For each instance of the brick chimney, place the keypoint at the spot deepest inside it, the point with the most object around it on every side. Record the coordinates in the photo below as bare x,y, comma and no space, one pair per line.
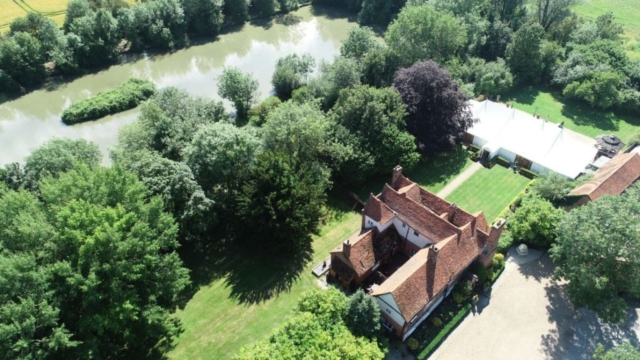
346,247
432,259
397,172
491,246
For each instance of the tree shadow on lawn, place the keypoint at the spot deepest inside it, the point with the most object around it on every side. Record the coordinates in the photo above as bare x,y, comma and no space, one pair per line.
579,112
427,173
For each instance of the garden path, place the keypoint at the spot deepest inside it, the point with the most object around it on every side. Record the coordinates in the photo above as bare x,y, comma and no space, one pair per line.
459,180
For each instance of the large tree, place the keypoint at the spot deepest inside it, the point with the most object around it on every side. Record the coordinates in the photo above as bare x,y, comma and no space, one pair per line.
239,88
523,54
173,181
291,73
362,315
375,119
423,33
60,155
168,122
438,112
550,12
316,331
624,351
281,203
102,265
22,60
598,251
221,155
359,42
534,222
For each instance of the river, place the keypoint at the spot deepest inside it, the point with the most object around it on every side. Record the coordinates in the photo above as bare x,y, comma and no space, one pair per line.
29,121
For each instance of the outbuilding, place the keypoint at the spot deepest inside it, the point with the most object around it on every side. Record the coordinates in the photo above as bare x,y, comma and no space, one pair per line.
529,141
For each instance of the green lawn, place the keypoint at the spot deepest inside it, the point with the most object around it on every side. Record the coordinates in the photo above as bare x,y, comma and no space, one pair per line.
489,190
577,116
627,13
249,300
432,174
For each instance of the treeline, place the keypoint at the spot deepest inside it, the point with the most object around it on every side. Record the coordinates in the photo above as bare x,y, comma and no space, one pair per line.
96,32
491,46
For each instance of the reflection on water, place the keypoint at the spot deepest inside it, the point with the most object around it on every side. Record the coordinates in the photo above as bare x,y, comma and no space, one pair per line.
29,121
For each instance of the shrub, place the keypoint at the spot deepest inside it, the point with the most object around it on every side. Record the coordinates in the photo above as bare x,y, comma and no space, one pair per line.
494,262
124,97
483,273
473,148
259,112
463,288
458,298
528,173
475,298
412,344
505,242
500,258
433,344
502,161
436,321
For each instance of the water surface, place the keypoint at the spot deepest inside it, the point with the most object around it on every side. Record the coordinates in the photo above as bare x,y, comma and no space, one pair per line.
31,120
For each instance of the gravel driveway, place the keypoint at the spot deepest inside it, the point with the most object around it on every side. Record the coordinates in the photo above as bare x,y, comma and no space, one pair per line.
528,316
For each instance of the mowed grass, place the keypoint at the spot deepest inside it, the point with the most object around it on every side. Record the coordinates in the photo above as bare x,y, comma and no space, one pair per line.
626,12
9,11
53,9
431,173
489,191
225,314
577,116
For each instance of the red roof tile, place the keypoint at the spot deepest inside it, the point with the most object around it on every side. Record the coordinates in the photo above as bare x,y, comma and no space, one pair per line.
613,178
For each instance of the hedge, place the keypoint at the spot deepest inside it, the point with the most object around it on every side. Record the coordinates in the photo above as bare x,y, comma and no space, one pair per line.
124,97
473,148
446,330
528,173
504,162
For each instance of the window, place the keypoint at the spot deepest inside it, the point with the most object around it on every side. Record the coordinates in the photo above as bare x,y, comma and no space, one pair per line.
415,232
386,324
412,252
404,225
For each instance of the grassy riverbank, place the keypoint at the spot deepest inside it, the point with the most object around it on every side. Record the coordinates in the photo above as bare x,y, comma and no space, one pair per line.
124,97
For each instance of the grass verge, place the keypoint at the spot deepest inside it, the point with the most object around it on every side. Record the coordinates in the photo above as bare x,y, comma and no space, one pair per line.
489,191
577,116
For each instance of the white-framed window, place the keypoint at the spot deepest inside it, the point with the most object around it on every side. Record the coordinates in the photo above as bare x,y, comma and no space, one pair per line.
386,324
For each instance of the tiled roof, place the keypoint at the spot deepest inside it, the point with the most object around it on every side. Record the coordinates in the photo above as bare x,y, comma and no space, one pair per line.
417,216
412,192
338,264
481,222
377,210
367,248
613,178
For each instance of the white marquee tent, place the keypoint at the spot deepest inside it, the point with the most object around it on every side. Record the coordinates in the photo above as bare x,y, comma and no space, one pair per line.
524,139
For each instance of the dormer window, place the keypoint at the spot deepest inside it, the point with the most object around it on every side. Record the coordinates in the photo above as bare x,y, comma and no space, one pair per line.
415,232
404,225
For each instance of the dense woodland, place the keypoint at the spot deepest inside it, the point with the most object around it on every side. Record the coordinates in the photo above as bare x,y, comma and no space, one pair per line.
89,264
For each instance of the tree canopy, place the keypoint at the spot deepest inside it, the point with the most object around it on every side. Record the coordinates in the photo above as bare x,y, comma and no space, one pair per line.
534,222
438,113
599,253
239,88
95,259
